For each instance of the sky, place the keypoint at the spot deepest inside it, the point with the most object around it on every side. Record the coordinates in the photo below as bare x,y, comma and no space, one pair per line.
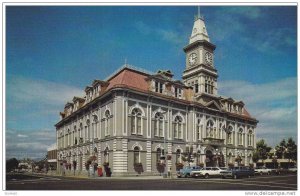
53,53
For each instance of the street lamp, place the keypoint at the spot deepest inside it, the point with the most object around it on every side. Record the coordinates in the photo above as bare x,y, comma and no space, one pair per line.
274,157
217,156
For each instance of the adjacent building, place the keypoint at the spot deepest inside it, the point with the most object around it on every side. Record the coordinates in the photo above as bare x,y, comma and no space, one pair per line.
136,120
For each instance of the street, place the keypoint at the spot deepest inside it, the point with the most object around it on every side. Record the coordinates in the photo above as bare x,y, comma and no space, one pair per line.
282,182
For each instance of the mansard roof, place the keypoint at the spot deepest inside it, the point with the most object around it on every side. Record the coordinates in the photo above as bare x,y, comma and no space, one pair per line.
78,99
213,105
101,82
88,88
68,104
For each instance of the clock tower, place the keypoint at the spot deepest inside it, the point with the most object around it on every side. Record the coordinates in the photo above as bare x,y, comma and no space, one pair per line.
200,72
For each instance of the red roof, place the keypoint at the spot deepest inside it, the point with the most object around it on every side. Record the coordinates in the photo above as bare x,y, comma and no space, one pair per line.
129,78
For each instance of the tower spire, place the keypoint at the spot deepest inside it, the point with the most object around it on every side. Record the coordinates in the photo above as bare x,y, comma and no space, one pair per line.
198,11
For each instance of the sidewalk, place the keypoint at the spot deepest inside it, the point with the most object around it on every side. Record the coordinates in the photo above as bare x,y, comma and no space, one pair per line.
85,176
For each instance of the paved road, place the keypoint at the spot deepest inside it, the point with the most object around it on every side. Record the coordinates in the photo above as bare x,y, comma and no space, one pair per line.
285,182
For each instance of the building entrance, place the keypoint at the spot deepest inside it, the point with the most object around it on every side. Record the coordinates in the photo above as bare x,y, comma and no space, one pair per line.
209,159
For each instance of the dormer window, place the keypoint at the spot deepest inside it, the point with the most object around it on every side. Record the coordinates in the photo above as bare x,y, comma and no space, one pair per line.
178,92
229,107
158,87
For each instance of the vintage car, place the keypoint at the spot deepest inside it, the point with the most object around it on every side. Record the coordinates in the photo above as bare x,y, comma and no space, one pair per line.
237,172
262,170
186,171
206,172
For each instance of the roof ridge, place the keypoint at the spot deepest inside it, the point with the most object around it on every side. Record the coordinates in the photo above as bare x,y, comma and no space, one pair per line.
129,67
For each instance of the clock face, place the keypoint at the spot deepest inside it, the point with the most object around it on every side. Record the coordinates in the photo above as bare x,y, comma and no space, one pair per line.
193,58
208,58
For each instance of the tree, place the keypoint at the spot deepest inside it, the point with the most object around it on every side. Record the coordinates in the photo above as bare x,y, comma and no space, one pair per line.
262,151
287,149
187,156
11,164
280,149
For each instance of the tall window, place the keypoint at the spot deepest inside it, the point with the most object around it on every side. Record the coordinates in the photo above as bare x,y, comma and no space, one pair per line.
178,92
106,155
158,155
107,122
69,137
178,127
95,127
158,125
178,156
199,129
158,87
196,87
220,134
209,85
210,129
229,135
240,137
250,138
136,121
136,155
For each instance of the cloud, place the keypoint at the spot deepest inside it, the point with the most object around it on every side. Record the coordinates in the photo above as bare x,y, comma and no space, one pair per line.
249,12
26,90
230,22
20,135
33,143
275,39
31,104
165,34
274,104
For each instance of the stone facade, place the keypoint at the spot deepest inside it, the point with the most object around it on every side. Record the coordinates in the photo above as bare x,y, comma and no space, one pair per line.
136,119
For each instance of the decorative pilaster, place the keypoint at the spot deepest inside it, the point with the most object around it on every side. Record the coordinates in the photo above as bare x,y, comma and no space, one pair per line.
120,157
148,156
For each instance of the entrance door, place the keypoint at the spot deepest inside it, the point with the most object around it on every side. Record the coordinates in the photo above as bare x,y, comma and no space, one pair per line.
209,159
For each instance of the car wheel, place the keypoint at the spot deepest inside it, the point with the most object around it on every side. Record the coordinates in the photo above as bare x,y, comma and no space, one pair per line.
235,176
206,176
249,176
269,173
261,173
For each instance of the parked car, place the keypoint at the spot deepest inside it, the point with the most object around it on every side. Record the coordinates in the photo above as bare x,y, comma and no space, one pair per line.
262,170
280,171
237,172
206,172
186,171
292,169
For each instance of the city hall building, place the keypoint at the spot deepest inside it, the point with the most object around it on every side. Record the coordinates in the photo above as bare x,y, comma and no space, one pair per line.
139,122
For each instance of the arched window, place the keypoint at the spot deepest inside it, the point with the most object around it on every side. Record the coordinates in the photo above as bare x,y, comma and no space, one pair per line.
95,126
107,122
250,138
178,127
136,121
158,125
87,129
106,155
220,131
240,137
69,137
229,135
75,137
136,155
158,155
210,129
199,129
178,156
